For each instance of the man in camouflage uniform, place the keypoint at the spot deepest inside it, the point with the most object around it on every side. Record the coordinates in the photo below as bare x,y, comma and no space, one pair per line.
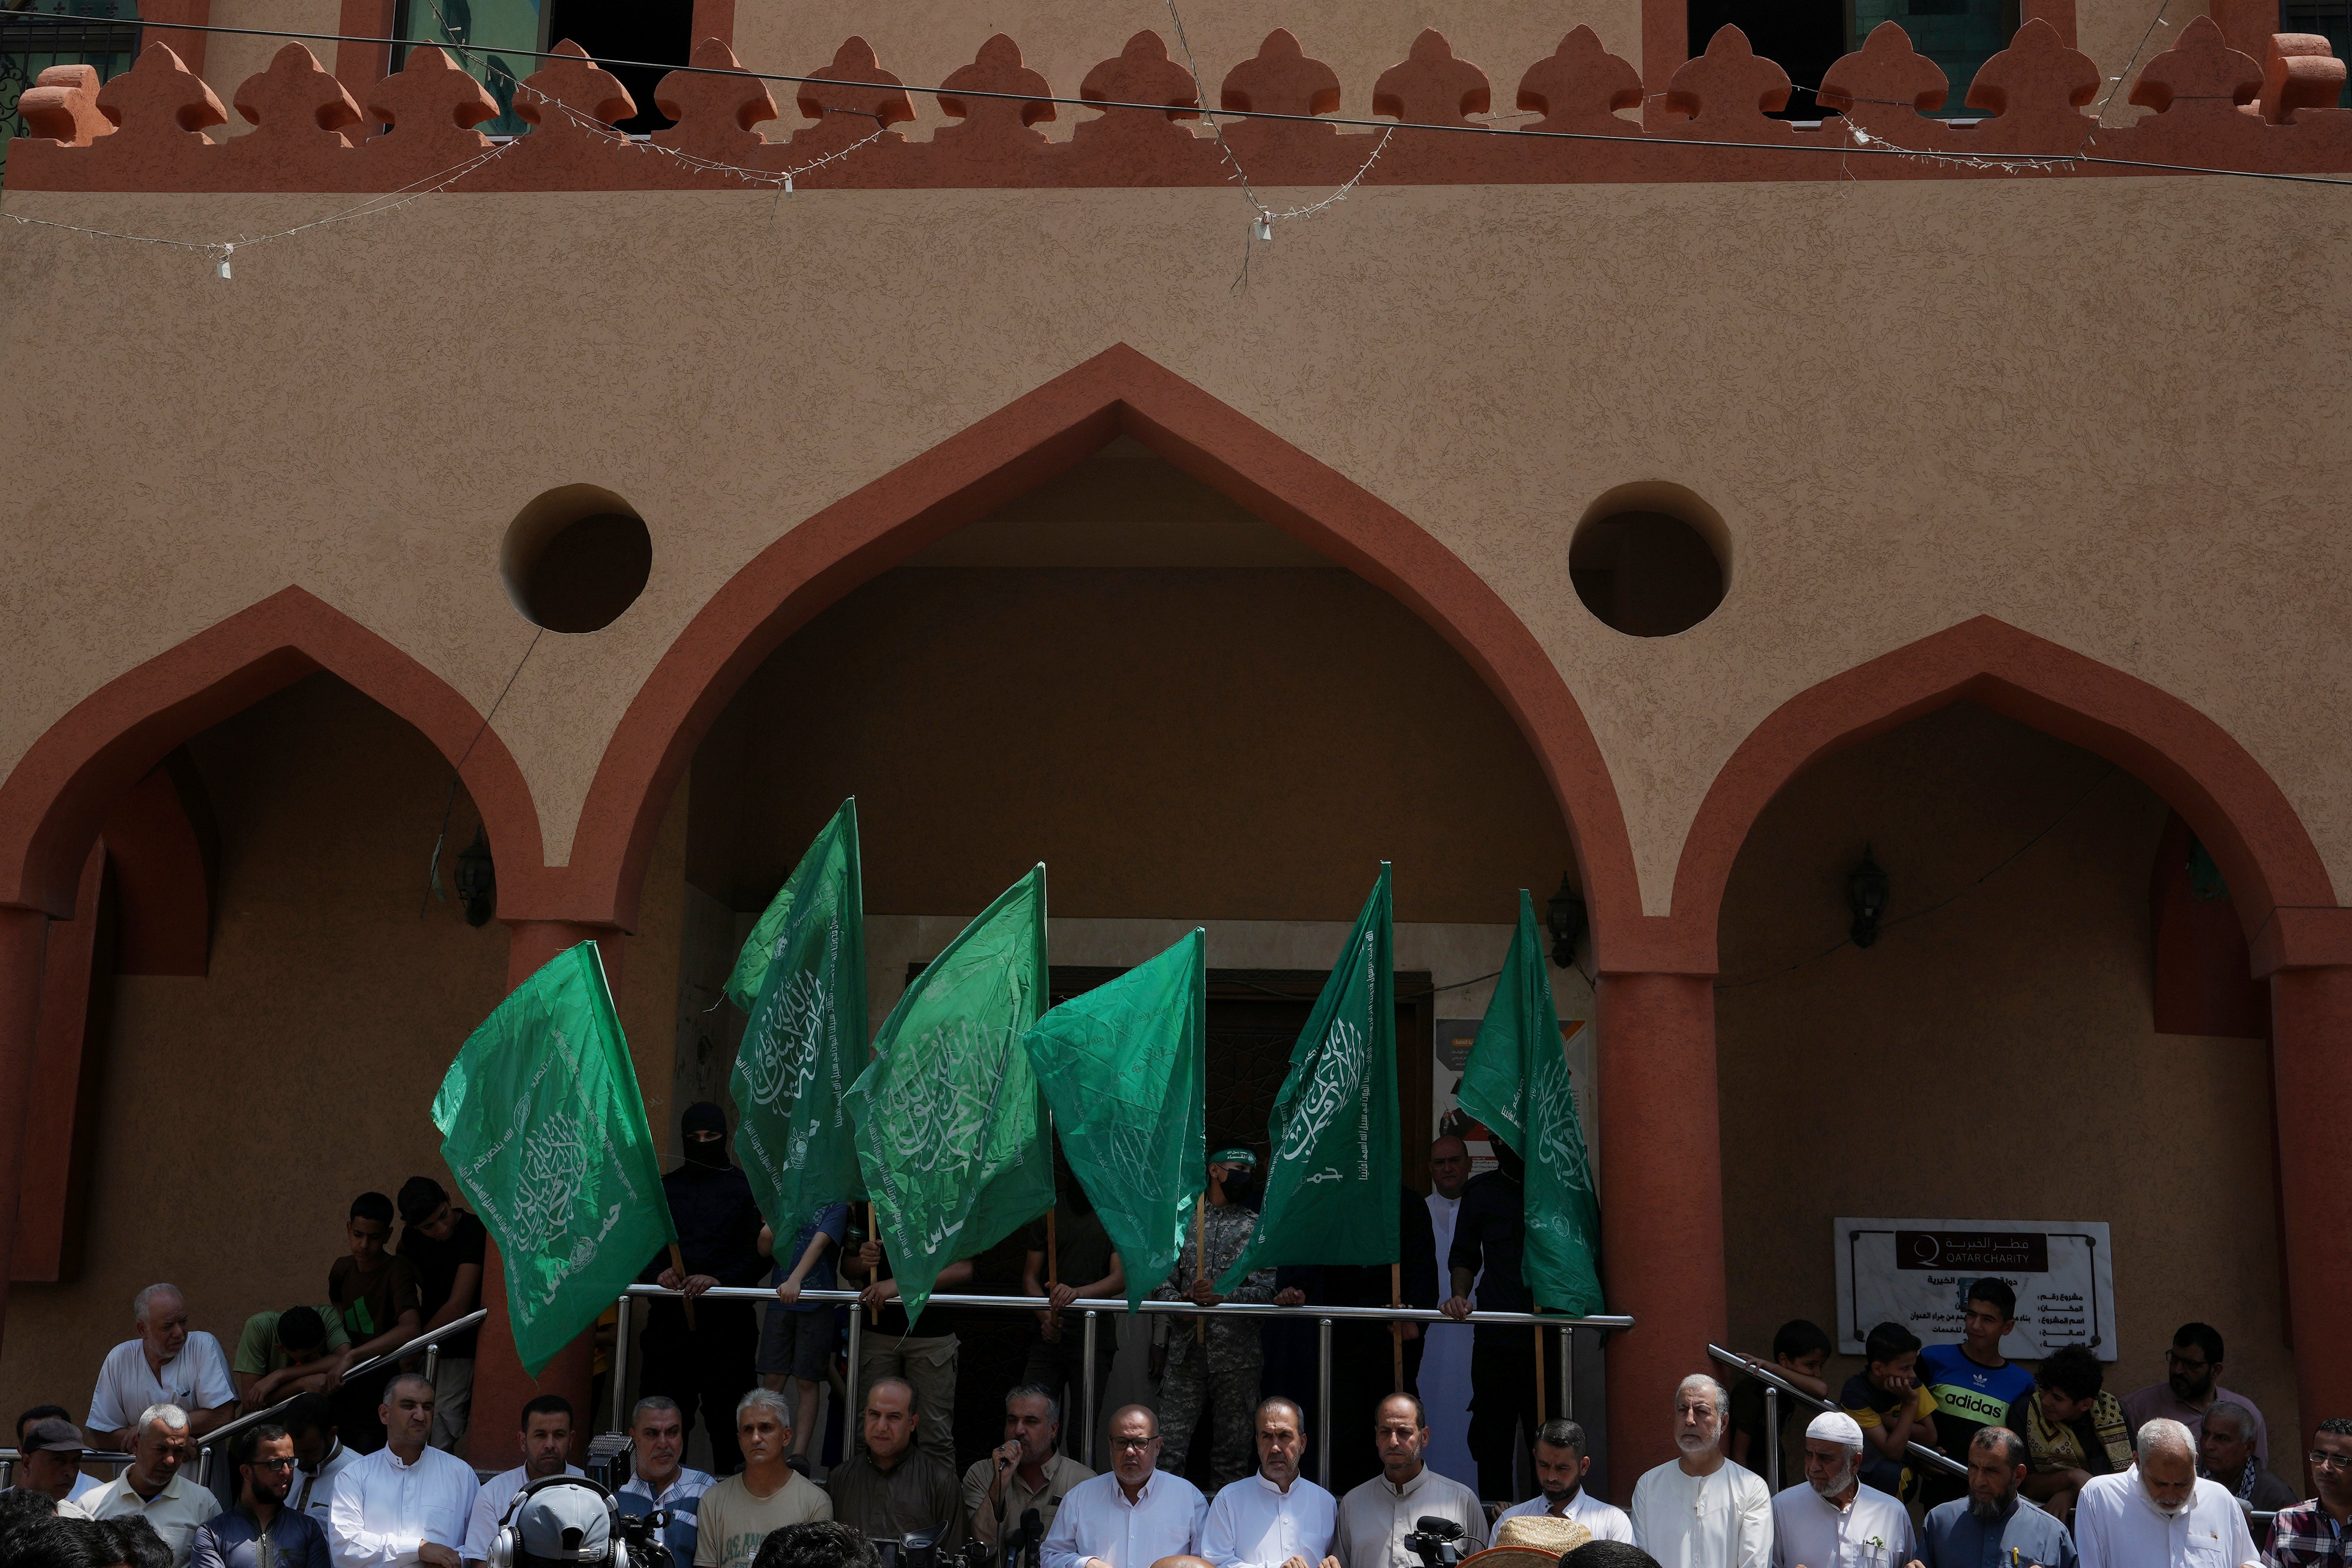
1224,1369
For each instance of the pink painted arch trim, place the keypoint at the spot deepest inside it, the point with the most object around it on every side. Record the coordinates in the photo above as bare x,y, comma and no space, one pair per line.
1008,452
2234,805
59,791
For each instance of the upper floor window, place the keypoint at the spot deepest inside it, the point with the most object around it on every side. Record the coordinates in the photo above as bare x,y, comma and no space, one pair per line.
1805,38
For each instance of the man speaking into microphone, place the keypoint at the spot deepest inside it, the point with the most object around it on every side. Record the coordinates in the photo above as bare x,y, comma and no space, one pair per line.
1027,1471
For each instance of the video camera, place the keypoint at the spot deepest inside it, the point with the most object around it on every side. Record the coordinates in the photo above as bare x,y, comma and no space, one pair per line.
1015,1548
1436,1541
916,1549
641,1533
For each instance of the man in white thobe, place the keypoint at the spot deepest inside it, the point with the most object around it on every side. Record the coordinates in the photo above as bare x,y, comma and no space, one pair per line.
1702,1510
1560,1466
1831,1519
1131,1516
407,1503
1376,1517
2158,1514
1446,1355
1273,1518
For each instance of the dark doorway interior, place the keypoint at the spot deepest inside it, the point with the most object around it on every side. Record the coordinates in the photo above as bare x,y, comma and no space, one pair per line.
1803,37
660,32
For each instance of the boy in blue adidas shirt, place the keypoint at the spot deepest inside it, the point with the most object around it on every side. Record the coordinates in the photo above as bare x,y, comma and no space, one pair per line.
1973,1383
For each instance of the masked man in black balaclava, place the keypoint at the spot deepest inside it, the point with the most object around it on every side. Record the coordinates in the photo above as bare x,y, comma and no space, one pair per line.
709,1365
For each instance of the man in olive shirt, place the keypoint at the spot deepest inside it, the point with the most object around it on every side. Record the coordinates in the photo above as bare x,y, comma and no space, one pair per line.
738,1514
1027,1471
895,1490
298,1351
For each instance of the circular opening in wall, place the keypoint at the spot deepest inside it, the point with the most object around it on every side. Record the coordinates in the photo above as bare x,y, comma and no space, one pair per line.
1650,560
575,558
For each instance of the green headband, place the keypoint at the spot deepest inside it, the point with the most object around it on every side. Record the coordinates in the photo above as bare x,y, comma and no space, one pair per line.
1234,1156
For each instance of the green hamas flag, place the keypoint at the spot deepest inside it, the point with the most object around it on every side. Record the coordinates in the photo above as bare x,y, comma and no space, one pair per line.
1332,1195
949,1115
805,965
542,1123
1124,1066
1516,1082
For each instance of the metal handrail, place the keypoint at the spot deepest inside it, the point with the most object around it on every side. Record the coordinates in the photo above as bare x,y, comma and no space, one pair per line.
10,1457
1775,1385
428,1342
1178,1308
1093,1307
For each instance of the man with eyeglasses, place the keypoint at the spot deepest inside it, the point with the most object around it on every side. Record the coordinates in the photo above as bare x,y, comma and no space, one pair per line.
2191,1386
1132,1517
260,1531
2318,1532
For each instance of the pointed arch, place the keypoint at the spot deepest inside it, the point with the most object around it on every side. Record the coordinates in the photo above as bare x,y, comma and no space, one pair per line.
2234,805
1009,452
53,801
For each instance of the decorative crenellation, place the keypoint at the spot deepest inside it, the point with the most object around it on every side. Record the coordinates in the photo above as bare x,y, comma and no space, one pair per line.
2213,107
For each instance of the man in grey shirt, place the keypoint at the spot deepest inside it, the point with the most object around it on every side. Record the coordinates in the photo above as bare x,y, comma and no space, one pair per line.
1376,1517
1994,1519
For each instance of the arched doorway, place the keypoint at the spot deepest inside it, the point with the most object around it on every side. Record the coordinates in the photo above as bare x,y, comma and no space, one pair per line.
2280,890
1191,718
1994,1054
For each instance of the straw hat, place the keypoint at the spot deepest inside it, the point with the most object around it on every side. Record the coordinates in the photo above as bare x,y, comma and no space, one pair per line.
1531,1541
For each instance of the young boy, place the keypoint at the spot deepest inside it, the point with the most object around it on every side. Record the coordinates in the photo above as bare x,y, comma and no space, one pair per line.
1800,1352
797,1339
1973,1383
1895,1411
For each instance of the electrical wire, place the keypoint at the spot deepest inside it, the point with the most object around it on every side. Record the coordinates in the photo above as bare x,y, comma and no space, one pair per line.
433,877
1212,115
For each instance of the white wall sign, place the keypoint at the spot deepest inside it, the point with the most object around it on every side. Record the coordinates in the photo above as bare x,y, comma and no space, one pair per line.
1916,1272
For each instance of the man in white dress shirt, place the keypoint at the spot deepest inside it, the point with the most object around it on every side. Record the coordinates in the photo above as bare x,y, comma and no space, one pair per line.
1273,1518
166,1365
1560,1466
1444,1381
1833,1520
407,1503
2158,1514
546,1443
1702,1510
1376,1517
1132,1517
152,1487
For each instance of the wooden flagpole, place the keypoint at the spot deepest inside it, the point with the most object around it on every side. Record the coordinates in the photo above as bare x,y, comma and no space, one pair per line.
1200,1257
1396,1339
677,1261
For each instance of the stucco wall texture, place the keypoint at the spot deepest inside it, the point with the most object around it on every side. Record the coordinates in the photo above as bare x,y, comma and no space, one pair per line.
2047,401
1198,744
239,1114
1997,1055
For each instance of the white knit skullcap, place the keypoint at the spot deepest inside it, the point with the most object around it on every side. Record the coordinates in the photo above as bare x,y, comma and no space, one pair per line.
1835,1427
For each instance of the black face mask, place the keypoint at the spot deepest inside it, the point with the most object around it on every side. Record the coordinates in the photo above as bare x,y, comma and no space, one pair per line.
1238,1182
709,1153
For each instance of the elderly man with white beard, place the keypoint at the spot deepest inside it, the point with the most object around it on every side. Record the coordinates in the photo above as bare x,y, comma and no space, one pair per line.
1833,1520
2158,1514
1703,1510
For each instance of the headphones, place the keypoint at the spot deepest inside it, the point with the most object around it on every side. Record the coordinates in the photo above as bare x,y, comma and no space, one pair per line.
507,1550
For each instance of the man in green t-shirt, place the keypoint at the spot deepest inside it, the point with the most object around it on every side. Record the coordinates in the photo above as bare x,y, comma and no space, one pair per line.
302,1350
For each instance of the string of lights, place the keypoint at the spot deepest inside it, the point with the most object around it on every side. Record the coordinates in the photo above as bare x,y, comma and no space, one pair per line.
1213,115
1857,143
